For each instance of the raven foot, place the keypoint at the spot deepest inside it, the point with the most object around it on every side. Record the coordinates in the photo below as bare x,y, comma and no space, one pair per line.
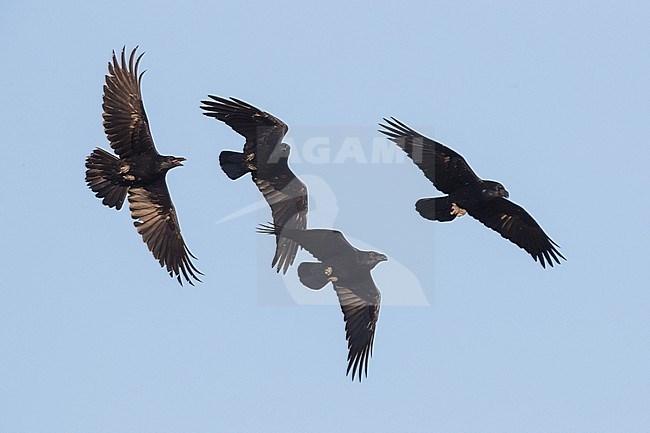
458,211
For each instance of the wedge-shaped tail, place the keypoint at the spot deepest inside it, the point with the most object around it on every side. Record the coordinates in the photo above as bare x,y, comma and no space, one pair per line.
313,275
102,178
232,163
436,209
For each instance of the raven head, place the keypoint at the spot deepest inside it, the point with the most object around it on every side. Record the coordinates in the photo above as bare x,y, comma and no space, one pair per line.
493,189
372,258
280,153
170,162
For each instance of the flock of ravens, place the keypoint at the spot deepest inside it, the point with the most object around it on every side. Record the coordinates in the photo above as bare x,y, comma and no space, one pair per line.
139,171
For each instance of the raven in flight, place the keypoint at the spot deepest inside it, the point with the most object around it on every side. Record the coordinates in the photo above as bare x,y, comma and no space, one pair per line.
349,271
139,171
265,157
484,200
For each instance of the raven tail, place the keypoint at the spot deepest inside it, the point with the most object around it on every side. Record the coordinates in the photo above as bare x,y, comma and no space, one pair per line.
101,177
436,209
313,275
232,163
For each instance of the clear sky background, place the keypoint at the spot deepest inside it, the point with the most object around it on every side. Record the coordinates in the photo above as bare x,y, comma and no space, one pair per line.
551,99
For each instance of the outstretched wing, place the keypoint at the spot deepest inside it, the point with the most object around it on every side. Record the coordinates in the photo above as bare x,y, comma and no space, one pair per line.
515,224
152,208
446,169
258,127
360,306
287,197
125,121
321,243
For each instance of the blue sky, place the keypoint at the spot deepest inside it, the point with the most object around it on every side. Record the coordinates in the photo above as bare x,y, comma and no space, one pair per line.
550,99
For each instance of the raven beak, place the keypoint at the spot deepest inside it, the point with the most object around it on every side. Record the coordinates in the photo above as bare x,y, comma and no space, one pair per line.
381,257
506,194
178,161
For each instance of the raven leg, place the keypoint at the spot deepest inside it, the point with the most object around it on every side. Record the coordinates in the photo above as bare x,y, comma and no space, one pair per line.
458,211
328,272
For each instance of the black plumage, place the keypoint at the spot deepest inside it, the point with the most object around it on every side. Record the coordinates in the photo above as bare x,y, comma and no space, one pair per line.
139,171
348,269
265,157
485,200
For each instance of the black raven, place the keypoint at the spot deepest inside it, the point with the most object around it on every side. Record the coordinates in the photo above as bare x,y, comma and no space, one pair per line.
484,200
349,271
140,170
265,157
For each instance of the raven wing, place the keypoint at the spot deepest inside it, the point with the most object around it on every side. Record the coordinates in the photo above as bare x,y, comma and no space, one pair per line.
258,127
151,206
360,305
125,121
446,169
321,243
515,224
287,197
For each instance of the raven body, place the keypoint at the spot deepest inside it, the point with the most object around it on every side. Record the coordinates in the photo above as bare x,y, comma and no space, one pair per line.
348,269
485,200
139,171
265,157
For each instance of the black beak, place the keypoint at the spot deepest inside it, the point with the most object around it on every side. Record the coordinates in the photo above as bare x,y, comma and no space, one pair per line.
506,194
178,161
381,257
